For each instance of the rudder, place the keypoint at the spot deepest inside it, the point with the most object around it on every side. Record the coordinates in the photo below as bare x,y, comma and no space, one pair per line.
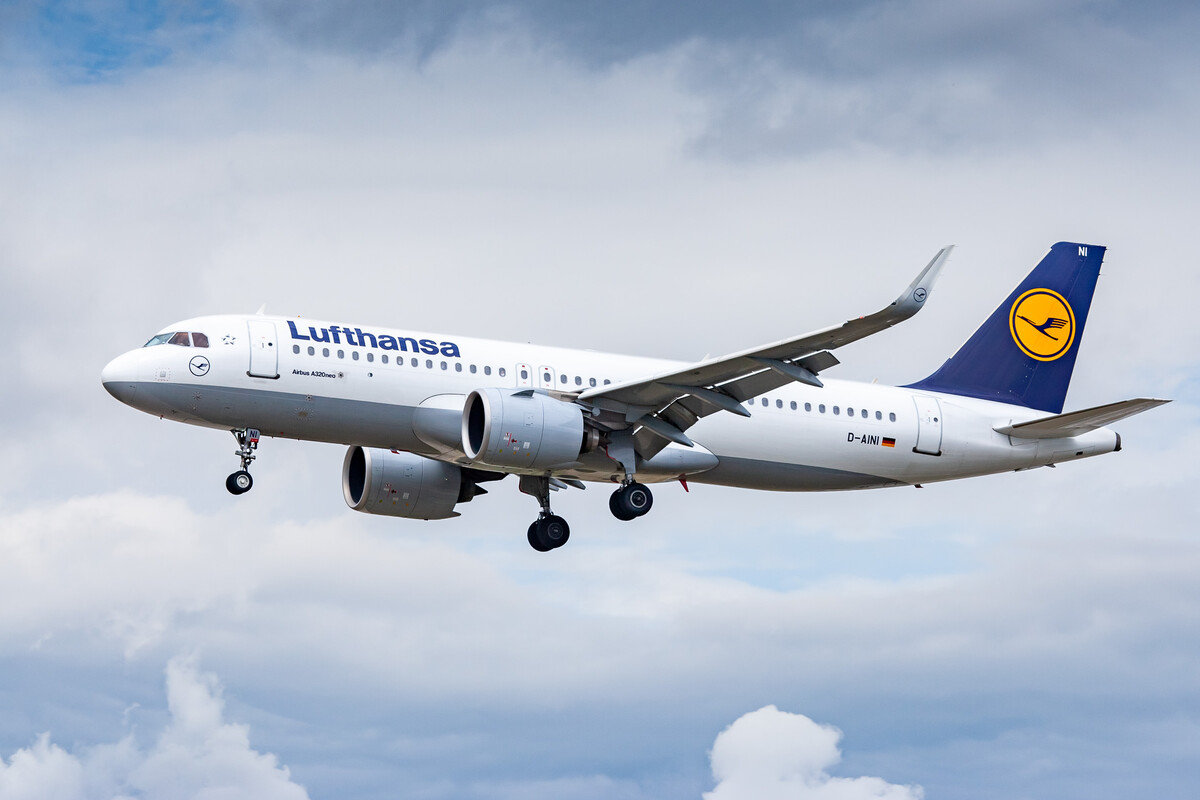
1025,352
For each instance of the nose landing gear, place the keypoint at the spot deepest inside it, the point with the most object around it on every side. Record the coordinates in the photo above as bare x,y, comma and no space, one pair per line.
240,481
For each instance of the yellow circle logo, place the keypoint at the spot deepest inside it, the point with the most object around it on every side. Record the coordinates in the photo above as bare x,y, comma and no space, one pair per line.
1042,324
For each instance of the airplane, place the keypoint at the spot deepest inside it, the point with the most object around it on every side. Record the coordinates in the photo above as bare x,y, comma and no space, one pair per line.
429,418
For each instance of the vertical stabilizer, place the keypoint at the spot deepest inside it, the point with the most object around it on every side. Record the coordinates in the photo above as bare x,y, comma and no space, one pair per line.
1025,352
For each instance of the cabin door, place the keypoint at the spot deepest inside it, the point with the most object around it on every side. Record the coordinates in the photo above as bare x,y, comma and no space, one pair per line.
929,425
264,350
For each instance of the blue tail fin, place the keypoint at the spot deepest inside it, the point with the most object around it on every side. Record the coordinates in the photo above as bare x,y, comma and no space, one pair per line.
1025,352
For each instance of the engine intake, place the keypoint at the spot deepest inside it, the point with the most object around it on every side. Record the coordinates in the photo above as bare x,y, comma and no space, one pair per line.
397,484
523,429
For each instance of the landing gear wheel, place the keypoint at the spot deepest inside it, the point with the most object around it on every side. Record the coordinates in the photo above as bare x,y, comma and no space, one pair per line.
534,541
239,482
630,501
617,507
548,533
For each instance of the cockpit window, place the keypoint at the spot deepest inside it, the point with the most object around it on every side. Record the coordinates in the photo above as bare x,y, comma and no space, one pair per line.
178,338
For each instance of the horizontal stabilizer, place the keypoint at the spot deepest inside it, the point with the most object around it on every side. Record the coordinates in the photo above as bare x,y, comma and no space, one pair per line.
1078,422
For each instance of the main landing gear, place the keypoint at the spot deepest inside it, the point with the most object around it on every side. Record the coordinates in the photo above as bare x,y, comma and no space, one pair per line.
240,481
632,500
549,531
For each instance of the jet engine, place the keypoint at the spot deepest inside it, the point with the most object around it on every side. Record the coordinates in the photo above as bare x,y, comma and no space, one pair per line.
398,484
524,429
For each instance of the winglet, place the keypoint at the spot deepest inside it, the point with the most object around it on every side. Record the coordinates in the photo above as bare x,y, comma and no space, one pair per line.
914,297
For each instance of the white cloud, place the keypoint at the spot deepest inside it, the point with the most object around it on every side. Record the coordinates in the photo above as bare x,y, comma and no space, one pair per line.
40,771
770,754
197,756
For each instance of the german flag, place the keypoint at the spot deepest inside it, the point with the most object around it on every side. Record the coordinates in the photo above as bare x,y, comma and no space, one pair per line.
889,442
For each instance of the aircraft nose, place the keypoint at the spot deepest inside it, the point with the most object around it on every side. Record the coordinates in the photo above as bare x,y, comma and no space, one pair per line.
119,377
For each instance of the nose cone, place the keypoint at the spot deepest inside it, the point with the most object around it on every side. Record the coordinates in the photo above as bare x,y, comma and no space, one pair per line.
120,377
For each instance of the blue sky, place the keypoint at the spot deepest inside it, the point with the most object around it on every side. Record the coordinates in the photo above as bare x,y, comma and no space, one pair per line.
712,180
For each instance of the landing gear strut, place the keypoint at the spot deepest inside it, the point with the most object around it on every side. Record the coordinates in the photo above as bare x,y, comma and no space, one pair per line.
549,531
240,481
630,501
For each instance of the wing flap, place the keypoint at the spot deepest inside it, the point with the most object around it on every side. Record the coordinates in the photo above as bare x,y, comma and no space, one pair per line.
1075,423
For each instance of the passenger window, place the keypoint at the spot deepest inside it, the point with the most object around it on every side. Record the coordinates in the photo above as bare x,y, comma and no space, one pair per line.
487,370
296,349
457,365
524,374
354,354
765,402
180,339
607,381
779,404
341,353
793,405
849,412
312,351
443,366
836,411
578,381
562,378
878,415
370,356
383,358
325,352
429,363
501,372
892,416
808,406
415,362
864,414
591,381
472,369
199,340
821,408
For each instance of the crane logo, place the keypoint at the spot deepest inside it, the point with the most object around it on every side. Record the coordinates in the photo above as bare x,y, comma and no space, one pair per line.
1042,324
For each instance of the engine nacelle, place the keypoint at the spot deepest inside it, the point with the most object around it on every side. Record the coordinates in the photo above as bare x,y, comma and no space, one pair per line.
523,429
402,484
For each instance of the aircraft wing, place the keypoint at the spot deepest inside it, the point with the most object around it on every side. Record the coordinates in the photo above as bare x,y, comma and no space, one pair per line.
665,405
1076,422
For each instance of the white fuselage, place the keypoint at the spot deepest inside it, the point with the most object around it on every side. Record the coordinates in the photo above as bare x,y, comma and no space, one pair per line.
405,391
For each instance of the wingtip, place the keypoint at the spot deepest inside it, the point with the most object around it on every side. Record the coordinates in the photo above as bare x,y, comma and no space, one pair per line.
914,297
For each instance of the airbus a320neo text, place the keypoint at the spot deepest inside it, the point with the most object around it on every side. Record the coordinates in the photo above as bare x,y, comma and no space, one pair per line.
429,418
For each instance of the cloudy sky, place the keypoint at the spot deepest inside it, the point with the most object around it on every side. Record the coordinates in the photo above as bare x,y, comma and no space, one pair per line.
663,179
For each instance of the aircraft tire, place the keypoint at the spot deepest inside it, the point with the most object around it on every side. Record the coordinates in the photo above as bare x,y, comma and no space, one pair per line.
239,482
630,502
534,540
552,531
617,507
